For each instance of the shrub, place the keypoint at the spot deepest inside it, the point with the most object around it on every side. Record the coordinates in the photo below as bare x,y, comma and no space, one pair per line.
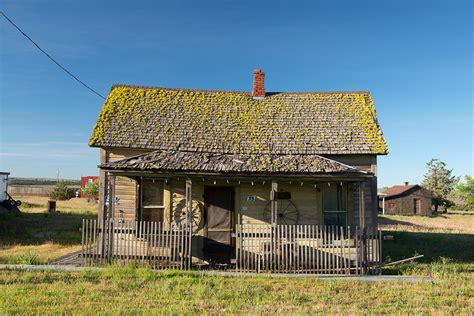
91,189
61,192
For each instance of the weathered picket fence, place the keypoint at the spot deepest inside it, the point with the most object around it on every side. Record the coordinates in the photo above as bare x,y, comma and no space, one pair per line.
259,248
153,244
308,249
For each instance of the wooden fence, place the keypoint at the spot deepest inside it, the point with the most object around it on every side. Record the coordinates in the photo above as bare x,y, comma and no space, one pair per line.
44,190
140,242
308,249
259,248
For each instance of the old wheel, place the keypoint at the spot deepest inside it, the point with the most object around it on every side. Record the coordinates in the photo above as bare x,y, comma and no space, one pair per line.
180,215
287,213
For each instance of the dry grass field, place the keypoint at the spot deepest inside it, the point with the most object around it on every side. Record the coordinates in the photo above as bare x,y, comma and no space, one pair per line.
38,204
38,237
458,222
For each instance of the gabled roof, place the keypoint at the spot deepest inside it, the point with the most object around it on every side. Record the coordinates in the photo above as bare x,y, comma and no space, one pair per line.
182,161
398,189
230,122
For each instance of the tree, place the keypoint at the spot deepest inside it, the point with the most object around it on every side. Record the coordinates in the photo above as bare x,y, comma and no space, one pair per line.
440,181
91,189
463,194
61,191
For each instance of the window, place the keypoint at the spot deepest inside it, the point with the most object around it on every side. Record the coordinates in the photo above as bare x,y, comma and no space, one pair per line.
152,200
335,204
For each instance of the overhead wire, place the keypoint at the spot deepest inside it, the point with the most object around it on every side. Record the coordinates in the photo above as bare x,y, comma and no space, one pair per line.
51,58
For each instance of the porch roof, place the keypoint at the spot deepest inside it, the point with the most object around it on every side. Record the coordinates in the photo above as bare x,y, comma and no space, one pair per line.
203,162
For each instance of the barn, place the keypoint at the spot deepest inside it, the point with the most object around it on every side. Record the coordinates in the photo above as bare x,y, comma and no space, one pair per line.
406,199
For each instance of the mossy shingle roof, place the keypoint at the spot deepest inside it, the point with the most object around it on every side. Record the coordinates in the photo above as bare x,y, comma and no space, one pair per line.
235,123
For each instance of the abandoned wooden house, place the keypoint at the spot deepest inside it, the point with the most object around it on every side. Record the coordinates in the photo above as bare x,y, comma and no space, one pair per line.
406,199
259,181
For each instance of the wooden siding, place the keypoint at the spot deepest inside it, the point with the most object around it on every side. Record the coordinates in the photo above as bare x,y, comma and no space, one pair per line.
306,198
363,162
370,203
125,187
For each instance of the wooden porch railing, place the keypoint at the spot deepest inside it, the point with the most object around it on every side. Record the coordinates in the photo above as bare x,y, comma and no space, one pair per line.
308,249
140,242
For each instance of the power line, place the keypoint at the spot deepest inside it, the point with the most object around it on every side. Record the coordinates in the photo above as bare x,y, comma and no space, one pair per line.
51,58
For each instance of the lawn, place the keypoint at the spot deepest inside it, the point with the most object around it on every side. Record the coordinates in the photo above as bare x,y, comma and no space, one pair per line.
36,236
133,291
448,250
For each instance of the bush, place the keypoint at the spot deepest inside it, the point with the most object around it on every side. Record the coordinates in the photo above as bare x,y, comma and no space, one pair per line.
91,189
61,192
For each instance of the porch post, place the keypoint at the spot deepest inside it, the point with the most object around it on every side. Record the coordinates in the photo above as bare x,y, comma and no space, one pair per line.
103,209
108,207
362,204
112,200
363,236
274,203
273,222
189,186
189,222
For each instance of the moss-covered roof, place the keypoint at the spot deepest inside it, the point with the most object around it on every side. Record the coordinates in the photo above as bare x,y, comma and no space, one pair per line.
185,161
234,122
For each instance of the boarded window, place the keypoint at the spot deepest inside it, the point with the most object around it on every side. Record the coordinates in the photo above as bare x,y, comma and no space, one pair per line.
152,200
335,204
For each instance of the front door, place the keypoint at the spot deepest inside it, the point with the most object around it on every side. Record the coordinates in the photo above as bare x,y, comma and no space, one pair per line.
219,203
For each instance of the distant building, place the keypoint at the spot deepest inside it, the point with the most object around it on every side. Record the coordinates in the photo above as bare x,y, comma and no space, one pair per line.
84,181
407,199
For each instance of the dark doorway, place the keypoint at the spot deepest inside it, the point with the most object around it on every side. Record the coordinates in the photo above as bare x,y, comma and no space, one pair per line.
219,202
416,206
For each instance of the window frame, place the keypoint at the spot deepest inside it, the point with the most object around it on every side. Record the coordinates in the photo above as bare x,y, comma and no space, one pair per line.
344,195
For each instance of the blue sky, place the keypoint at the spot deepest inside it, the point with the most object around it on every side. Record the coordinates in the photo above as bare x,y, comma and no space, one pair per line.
416,57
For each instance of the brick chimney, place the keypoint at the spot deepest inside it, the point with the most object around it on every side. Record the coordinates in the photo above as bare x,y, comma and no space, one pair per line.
407,183
258,84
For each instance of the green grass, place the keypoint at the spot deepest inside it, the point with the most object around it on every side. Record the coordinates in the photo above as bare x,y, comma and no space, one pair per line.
37,228
132,291
34,238
458,247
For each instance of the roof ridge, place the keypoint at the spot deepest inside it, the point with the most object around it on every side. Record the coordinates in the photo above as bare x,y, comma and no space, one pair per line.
118,85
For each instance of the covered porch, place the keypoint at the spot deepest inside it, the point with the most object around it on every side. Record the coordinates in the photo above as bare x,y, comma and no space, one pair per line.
249,222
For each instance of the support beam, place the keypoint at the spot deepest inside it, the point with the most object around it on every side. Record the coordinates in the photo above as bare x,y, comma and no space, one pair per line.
362,204
112,200
189,222
167,202
274,203
189,201
273,222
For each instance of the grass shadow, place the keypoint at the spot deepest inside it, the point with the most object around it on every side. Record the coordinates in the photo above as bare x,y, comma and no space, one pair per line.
38,228
458,247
